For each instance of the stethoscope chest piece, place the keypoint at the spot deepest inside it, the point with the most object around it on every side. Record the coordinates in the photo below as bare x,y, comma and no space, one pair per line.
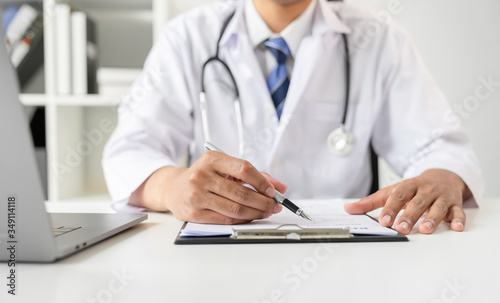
340,142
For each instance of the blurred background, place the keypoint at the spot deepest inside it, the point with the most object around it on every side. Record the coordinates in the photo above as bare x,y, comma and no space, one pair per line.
76,59
459,41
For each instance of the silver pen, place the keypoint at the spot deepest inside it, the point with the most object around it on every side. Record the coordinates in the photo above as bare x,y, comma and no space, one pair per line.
278,197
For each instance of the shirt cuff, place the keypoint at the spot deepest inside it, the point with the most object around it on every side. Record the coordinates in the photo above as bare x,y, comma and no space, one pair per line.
121,183
122,206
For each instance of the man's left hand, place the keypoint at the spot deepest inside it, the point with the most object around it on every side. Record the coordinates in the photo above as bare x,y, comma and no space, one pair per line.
438,194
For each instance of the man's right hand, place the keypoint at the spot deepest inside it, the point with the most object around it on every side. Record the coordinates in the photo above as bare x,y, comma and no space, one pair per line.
211,191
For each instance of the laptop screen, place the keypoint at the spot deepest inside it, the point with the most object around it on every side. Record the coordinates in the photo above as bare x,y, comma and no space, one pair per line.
19,178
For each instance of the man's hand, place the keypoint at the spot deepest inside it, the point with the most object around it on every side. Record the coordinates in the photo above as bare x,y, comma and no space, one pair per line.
211,191
439,194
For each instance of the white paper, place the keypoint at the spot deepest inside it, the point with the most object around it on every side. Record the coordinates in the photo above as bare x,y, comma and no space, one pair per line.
326,214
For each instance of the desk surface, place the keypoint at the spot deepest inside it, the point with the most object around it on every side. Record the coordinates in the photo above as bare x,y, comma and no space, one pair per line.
143,265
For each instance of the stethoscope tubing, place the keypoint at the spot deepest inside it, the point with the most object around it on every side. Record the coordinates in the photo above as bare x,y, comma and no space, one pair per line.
341,131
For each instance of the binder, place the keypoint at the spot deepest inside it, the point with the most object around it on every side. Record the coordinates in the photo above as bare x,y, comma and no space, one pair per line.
281,235
27,55
20,23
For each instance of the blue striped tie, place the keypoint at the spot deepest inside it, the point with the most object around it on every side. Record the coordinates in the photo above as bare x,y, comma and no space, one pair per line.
278,81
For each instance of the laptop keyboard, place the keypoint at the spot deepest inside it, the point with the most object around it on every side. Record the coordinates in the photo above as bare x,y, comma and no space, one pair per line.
61,230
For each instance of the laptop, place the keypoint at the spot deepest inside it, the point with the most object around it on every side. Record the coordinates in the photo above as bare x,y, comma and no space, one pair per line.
27,232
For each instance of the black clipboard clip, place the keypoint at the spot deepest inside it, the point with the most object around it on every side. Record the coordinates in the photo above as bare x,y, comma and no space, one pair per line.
298,233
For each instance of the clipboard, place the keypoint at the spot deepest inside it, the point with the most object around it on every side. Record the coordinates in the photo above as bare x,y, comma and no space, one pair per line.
283,235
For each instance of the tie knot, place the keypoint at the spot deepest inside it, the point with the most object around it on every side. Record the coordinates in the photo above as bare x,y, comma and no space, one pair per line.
278,48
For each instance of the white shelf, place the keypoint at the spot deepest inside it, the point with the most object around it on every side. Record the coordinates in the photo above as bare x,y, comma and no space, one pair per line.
86,204
33,100
72,100
113,4
90,198
77,126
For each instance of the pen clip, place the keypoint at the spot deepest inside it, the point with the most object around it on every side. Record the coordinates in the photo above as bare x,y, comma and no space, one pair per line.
284,232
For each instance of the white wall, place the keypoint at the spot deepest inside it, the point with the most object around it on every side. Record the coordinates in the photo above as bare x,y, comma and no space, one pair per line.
177,6
459,40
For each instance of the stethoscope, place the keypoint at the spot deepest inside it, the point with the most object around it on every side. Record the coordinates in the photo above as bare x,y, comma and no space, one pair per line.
339,142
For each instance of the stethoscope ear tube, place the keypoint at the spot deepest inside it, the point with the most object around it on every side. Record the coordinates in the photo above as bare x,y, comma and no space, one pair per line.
347,81
340,141
237,102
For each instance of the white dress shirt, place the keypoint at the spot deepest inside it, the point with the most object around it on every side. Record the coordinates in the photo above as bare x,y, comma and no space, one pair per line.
293,34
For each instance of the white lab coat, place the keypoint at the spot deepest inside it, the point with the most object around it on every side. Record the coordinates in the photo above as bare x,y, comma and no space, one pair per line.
394,103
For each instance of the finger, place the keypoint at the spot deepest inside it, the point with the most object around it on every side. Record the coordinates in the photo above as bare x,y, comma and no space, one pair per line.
437,213
282,188
402,194
232,178
208,216
243,195
458,218
413,211
233,209
239,169
369,203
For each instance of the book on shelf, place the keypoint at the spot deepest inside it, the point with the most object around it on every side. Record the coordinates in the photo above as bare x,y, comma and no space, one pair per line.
24,33
84,60
76,52
74,46
27,55
63,49
8,16
21,20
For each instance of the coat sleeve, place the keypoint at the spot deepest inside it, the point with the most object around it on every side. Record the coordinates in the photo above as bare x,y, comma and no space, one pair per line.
155,120
415,128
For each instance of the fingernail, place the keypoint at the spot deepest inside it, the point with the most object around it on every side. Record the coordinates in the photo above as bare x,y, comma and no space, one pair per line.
270,192
387,219
460,226
278,208
428,225
405,226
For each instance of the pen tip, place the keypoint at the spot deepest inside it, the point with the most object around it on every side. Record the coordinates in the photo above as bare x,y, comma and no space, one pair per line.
305,216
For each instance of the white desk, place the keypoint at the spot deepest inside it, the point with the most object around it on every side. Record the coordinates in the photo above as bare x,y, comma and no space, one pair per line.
419,271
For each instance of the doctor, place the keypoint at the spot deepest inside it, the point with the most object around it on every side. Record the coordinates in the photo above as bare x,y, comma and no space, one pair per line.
294,81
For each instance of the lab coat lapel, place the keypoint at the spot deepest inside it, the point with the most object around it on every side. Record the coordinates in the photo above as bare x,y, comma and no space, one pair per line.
257,106
324,33
307,58
310,51
237,51
248,74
